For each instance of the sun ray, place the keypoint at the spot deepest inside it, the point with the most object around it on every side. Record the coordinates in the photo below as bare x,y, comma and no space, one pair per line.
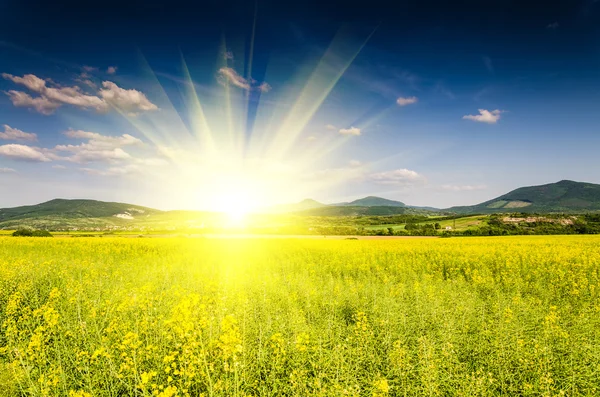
336,60
197,117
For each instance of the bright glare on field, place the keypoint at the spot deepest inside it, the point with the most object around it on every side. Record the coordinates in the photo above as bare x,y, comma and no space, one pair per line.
235,196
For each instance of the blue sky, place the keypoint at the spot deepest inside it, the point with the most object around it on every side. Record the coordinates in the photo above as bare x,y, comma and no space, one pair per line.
175,105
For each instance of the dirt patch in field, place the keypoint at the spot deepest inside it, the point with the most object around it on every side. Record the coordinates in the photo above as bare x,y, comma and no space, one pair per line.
538,219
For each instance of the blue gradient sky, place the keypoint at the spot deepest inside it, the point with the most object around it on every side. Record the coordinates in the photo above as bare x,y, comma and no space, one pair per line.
392,125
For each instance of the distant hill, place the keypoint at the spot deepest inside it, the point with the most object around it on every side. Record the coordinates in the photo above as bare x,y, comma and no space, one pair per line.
563,196
76,209
372,201
341,210
61,212
303,205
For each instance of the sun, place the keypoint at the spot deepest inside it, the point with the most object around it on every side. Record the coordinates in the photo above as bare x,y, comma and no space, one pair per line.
235,211
235,196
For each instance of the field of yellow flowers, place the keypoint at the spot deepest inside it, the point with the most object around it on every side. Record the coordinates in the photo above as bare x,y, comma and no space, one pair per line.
516,316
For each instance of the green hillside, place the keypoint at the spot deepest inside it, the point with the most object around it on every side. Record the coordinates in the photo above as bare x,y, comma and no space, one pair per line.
75,209
83,214
563,196
372,201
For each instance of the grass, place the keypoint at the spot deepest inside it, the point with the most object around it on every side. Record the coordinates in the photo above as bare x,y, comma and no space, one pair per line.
395,226
442,317
464,223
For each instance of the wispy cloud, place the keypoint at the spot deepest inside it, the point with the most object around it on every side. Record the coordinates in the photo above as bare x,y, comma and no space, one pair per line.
350,131
113,171
229,75
111,70
399,177
487,61
13,134
331,127
553,25
7,170
442,89
264,87
407,101
485,116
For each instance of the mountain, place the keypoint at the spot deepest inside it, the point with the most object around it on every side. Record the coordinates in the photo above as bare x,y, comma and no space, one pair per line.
372,201
563,196
303,205
346,210
76,209
59,212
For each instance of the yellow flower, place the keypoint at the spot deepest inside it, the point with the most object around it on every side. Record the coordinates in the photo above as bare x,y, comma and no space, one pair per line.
381,387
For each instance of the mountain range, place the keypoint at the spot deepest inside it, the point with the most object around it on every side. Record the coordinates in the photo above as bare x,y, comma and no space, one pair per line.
564,196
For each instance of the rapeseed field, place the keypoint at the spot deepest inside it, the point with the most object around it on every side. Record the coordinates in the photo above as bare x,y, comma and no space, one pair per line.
512,316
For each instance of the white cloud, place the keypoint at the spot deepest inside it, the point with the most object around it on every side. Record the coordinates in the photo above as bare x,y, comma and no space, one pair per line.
24,153
400,177
51,98
331,127
83,156
350,131
95,148
129,101
13,134
355,163
485,116
7,170
407,101
311,138
57,96
553,25
41,104
111,70
228,55
89,68
103,141
99,148
30,81
463,188
229,75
